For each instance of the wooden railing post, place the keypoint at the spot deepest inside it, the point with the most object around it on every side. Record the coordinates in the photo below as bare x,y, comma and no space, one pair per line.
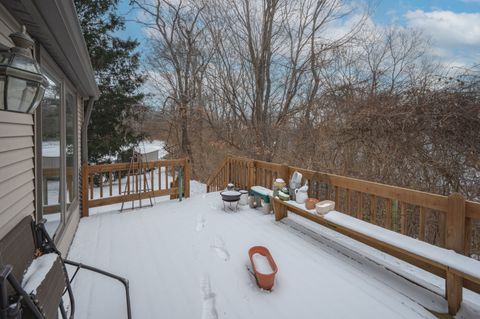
455,232
454,239
85,190
186,181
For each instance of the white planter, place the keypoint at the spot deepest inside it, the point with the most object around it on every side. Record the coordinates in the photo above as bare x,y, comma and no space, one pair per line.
324,207
243,198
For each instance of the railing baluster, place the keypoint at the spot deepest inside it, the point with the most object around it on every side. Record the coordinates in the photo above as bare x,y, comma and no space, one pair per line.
144,180
468,236
388,213
223,181
136,183
91,186
119,182
421,223
347,199
373,209
159,168
359,205
110,180
244,176
403,218
128,182
235,169
166,176
101,184
152,178
337,197
442,228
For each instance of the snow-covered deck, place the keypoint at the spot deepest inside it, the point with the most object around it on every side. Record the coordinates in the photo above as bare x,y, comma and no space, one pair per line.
189,260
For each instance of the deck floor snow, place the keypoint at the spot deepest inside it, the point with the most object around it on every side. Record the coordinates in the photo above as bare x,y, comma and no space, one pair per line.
189,260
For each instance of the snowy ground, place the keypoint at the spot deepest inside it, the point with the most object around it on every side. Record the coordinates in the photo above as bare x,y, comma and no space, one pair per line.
190,259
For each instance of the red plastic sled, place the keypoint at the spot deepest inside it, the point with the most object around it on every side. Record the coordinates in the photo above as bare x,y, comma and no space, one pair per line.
264,281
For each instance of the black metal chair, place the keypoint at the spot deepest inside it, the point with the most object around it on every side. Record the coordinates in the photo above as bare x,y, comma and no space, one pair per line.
26,241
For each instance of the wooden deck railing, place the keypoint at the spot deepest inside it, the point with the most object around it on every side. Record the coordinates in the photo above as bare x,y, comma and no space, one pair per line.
116,183
445,221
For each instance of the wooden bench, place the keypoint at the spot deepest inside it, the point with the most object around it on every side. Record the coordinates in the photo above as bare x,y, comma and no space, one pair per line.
453,268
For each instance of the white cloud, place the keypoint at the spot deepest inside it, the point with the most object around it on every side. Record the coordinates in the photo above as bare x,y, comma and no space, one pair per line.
455,36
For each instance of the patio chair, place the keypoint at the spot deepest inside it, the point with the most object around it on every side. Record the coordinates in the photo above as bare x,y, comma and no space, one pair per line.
35,289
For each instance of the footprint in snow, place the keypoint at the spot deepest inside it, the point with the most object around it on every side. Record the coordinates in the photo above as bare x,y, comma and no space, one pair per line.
209,310
220,249
201,222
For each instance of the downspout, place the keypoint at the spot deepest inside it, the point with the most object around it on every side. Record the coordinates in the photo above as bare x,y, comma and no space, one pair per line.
86,120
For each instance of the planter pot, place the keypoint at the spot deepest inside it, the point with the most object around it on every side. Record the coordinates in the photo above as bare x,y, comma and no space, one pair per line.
310,203
243,197
264,280
324,207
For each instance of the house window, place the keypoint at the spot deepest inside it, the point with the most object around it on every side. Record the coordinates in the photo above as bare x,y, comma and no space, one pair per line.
51,155
59,149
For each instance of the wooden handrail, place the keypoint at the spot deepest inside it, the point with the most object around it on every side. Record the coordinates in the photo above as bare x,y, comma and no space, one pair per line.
414,197
131,186
366,200
472,209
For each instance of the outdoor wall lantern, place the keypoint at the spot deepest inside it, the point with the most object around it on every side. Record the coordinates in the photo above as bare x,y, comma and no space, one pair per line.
22,84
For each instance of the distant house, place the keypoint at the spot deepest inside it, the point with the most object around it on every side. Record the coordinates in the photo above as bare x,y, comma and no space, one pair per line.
40,151
151,151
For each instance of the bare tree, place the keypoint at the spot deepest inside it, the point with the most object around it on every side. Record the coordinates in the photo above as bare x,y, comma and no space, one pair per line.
268,55
178,60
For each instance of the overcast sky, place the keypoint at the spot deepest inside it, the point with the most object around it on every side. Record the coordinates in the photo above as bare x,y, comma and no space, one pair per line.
452,25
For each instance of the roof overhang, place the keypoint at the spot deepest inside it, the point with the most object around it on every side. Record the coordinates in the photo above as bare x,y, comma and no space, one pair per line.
54,24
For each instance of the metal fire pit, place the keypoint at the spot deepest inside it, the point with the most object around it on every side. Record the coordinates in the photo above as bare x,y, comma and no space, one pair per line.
230,197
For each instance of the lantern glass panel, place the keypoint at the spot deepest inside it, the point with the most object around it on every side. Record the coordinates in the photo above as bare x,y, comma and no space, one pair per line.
20,94
24,63
39,97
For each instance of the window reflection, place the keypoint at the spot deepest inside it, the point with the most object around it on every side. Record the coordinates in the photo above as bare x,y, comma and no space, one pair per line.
71,191
51,156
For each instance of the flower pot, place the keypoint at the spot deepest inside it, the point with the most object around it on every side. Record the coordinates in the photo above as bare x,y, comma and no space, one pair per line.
310,203
265,277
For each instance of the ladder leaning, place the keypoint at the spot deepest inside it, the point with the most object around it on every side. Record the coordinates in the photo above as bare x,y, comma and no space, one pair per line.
138,169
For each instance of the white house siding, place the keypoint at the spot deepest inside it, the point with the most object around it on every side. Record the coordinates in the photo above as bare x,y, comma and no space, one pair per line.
16,169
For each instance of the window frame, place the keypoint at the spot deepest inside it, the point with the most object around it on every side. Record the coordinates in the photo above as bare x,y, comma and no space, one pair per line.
50,67
73,205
